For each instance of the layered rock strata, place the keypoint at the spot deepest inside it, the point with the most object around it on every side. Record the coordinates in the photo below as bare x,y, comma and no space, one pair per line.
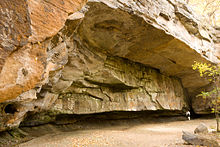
111,55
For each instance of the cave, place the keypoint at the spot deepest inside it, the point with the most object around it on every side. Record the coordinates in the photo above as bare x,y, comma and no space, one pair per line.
10,109
106,61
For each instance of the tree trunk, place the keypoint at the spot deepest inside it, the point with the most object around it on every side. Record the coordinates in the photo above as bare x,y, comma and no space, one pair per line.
217,120
216,108
216,112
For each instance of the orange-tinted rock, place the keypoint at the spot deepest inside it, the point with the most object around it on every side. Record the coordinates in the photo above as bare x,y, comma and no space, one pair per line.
14,27
48,16
22,71
113,55
21,22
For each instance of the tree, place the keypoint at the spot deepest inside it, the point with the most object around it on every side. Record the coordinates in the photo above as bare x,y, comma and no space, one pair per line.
212,73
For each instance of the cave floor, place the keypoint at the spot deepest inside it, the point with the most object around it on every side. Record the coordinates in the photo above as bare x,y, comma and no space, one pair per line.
155,132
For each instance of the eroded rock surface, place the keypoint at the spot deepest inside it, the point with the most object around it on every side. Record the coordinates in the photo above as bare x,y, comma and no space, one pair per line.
23,25
201,140
111,55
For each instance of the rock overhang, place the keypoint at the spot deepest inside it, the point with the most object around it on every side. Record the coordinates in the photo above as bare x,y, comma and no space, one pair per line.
101,47
169,40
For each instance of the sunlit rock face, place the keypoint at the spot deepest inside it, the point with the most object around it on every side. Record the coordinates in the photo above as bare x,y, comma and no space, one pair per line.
109,56
25,27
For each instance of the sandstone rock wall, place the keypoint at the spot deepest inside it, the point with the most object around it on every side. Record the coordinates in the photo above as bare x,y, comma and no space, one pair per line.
24,25
109,55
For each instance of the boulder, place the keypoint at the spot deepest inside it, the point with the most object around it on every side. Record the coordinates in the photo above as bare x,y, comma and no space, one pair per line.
194,139
201,128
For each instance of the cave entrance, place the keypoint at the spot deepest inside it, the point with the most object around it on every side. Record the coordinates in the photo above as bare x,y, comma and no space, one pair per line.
10,109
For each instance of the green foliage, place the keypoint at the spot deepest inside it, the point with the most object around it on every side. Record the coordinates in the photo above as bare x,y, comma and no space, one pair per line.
212,73
207,70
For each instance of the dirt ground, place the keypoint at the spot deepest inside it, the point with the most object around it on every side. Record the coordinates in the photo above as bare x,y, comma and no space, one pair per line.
147,134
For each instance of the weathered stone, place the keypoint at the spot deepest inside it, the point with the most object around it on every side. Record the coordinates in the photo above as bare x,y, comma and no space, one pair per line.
216,38
173,56
22,71
201,128
48,16
118,84
14,27
160,49
13,113
203,105
113,55
22,22
199,140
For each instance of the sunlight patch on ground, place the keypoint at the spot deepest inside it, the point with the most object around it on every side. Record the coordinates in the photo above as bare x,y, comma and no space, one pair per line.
163,129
